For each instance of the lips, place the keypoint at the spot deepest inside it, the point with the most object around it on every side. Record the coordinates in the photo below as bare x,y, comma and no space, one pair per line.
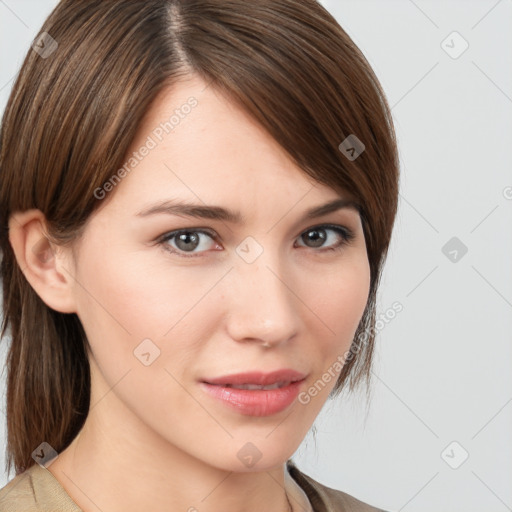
256,393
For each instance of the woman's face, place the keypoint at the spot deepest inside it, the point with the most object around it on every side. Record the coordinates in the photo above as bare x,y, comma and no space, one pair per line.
276,290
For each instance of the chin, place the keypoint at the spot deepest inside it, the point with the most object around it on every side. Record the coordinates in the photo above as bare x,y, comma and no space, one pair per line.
255,454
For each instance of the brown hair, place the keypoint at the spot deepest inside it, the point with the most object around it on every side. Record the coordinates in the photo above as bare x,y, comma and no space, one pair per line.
73,114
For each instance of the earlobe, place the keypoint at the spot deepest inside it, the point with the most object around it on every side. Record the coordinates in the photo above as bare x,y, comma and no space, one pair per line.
46,267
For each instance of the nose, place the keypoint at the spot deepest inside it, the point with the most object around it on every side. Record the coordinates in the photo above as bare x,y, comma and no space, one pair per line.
263,307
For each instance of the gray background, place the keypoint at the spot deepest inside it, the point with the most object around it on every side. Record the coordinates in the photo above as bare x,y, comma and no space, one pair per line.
442,381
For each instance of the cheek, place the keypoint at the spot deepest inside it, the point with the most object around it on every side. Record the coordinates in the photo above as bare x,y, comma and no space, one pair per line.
126,310
339,299
117,298
131,298
126,291
338,306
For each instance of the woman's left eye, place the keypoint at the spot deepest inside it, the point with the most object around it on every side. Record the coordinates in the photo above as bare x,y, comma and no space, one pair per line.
187,240
319,236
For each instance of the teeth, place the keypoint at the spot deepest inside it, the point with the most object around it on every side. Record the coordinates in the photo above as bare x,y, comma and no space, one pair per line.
256,386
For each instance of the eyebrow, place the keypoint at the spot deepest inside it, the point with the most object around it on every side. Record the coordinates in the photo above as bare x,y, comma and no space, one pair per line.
182,208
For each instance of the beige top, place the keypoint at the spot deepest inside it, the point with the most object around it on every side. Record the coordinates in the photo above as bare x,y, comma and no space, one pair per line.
37,490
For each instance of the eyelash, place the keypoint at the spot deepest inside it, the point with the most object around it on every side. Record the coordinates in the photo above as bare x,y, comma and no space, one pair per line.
346,237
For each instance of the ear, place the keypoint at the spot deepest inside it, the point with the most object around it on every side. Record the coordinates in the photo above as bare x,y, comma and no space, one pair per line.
48,268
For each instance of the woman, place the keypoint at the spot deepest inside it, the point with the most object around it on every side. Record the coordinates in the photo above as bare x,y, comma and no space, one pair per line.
197,198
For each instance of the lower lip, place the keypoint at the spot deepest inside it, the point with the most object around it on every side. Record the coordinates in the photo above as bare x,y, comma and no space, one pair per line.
255,402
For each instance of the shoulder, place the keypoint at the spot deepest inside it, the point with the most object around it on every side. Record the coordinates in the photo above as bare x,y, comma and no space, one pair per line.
35,490
326,499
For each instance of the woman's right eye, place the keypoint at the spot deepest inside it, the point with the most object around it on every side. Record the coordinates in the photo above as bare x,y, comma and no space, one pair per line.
186,241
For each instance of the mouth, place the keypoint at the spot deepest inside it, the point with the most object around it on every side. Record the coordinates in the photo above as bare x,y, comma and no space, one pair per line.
256,393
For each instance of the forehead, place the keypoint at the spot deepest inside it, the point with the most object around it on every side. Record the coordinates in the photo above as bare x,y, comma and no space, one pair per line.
197,145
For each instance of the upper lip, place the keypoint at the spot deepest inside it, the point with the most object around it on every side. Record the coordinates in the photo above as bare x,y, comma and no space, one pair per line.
258,378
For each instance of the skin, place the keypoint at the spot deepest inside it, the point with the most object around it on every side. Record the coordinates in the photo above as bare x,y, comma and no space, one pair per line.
153,440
